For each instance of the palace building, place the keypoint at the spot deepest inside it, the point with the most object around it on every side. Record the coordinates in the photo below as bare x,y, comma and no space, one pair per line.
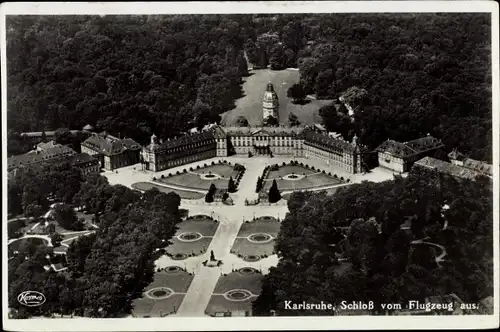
219,141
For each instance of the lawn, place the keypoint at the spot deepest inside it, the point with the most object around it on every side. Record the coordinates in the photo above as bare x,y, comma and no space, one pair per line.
182,193
223,170
235,280
194,181
330,191
15,245
243,247
271,227
309,182
179,282
290,169
205,227
250,106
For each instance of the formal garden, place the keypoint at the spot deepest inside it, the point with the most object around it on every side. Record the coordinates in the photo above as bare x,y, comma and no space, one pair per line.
165,294
192,238
184,194
200,177
234,292
298,176
255,239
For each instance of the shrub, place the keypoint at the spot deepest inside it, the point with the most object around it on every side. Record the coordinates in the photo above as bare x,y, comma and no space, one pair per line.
185,170
323,171
177,172
213,163
198,167
284,164
335,176
342,178
348,180
162,176
225,161
154,178
191,169
329,173
205,165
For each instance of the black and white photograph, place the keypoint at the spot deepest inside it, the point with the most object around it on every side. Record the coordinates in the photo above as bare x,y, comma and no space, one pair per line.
234,165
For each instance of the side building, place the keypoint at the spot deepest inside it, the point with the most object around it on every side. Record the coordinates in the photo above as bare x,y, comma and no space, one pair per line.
112,152
459,172
158,156
53,154
399,157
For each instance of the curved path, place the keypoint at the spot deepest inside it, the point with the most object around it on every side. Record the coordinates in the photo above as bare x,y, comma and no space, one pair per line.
37,236
439,258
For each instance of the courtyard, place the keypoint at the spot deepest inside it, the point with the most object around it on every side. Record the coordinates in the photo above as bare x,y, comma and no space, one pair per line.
250,106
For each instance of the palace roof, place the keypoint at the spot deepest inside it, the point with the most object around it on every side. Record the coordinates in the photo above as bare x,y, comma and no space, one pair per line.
411,148
35,157
184,141
266,131
479,166
109,145
449,168
329,142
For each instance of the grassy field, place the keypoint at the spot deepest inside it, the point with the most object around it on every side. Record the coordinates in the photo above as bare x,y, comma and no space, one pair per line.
309,182
205,227
182,193
330,191
250,106
223,170
234,280
289,169
189,180
270,227
178,282
244,247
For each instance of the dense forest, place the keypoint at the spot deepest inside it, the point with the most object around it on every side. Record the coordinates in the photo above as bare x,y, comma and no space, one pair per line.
375,259
425,73
106,270
130,75
134,75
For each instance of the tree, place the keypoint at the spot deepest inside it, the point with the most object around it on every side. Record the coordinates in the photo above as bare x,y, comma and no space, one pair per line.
297,93
271,121
231,187
293,120
274,193
258,186
241,121
51,228
66,217
56,239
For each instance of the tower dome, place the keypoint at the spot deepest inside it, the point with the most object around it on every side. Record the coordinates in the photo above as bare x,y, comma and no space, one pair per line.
270,102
